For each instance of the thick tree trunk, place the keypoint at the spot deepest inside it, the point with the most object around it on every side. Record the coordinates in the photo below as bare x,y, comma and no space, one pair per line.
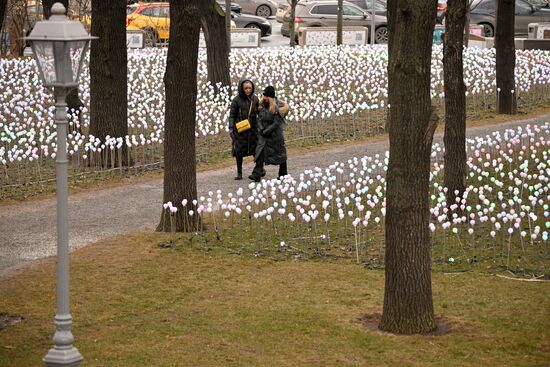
3,7
180,80
408,306
16,27
339,22
455,99
293,4
506,57
108,75
213,27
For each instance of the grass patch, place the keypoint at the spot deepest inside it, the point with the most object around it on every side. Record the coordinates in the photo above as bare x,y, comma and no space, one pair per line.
135,304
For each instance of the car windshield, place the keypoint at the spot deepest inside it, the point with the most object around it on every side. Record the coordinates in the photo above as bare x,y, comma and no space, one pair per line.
487,5
130,9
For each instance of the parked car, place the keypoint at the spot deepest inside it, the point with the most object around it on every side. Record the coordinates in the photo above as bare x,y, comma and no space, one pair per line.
380,6
153,19
323,13
261,8
252,21
282,8
441,9
483,13
235,8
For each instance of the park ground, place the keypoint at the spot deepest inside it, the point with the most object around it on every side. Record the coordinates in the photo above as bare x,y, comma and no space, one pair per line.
137,304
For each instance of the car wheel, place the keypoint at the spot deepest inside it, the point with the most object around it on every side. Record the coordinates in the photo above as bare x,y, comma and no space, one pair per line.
263,11
151,38
381,34
254,26
488,30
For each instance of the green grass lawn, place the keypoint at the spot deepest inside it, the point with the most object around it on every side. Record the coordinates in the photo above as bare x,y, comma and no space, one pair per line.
135,304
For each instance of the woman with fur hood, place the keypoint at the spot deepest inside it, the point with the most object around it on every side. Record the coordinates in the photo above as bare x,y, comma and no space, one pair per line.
243,107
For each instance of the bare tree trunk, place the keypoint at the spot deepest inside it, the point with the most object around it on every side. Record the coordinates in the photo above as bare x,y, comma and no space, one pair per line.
16,27
455,99
180,80
339,22
3,7
408,305
215,35
506,57
467,23
293,4
108,74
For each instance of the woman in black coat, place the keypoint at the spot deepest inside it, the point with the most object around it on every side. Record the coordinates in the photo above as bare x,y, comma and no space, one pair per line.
271,147
244,106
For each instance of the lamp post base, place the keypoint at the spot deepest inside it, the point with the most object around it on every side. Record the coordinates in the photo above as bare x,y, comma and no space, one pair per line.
63,357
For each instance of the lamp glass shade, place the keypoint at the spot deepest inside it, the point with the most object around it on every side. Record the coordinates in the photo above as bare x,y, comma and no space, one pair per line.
45,58
77,51
60,62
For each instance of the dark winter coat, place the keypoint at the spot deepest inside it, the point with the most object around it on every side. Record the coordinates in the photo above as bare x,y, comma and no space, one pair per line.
244,143
271,141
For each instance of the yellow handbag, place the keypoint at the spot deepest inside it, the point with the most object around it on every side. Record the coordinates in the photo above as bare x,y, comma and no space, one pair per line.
244,124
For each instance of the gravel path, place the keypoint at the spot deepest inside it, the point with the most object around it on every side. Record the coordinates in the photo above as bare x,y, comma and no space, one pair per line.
28,229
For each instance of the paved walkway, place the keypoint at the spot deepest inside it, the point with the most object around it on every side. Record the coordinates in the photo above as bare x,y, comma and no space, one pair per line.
28,230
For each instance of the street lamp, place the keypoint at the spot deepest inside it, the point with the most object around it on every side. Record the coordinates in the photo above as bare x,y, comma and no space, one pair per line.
59,46
373,23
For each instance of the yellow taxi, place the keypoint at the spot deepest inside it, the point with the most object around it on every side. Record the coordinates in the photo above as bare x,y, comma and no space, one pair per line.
153,19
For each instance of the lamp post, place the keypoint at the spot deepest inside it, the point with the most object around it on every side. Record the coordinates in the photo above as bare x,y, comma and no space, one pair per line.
59,46
372,20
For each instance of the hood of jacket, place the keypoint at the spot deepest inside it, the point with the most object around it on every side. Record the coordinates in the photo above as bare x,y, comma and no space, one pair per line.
241,87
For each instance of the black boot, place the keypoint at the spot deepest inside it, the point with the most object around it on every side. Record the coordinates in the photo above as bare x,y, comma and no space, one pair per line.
239,168
254,178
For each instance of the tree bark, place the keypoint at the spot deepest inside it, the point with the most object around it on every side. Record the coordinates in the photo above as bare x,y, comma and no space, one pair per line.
339,22
3,7
455,99
506,57
293,4
408,305
215,35
467,23
108,75
180,80
16,27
